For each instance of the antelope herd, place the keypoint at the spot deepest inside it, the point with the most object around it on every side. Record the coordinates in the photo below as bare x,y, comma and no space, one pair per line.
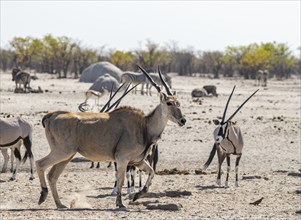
125,135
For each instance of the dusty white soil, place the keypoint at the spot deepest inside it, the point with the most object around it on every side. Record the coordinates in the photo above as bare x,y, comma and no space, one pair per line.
269,168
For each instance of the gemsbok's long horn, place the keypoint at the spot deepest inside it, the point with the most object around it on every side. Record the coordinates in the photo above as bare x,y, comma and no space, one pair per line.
150,79
111,97
163,82
241,106
225,111
124,94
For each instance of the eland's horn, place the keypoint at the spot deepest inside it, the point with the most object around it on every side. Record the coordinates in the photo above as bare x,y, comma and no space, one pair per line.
225,111
163,82
241,106
150,79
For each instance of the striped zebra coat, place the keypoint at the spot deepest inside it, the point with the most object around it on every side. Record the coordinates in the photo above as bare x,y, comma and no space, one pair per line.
20,77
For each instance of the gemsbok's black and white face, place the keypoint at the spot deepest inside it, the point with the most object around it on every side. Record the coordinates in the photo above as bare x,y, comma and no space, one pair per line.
220,131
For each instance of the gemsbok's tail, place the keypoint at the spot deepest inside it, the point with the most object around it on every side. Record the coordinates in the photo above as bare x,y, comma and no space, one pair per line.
212,153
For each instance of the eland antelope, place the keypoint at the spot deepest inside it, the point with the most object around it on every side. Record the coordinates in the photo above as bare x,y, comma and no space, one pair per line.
12,132
228,140
123,135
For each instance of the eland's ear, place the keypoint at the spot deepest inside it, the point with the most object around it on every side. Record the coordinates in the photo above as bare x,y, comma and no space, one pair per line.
216,122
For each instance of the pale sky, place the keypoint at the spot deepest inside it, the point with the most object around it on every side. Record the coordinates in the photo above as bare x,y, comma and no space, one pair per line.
124,25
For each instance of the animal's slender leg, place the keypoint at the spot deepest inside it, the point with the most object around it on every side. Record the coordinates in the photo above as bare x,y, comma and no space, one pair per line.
236,169
97,165
51,159
28,145
148,170
114,192
228,170
221,158
53,176
121,168
128,178
18,156
12,158
140,180
6,158
92,165
133,176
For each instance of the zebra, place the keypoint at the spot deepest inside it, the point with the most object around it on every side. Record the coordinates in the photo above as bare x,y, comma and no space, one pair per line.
197,93
261,78
227,140
157,80
152,159
265,76
210,89
134,78
21,77
204,92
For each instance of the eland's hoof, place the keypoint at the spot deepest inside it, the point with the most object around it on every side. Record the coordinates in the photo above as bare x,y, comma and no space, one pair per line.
236,183
114,192
31,178
43,196
12,179
61,206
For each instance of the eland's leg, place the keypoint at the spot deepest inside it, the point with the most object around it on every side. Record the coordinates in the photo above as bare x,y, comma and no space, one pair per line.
6,158
114,192
236,169
148,170
121,169
228,171
54,157
221,157
53,176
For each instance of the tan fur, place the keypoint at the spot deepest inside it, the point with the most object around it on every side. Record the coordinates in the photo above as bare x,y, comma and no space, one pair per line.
122,135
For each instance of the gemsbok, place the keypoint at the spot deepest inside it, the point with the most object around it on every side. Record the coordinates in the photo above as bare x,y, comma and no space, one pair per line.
228,140
123,135
12,132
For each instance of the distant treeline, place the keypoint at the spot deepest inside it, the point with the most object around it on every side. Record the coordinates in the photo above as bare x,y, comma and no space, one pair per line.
64,56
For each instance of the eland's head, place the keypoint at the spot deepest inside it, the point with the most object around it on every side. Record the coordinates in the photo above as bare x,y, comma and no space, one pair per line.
220,132
169,102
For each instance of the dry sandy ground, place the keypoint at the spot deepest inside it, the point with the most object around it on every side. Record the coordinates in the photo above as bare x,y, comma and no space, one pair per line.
270,165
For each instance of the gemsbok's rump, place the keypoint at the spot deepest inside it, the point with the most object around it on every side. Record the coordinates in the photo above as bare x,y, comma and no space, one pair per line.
12,132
